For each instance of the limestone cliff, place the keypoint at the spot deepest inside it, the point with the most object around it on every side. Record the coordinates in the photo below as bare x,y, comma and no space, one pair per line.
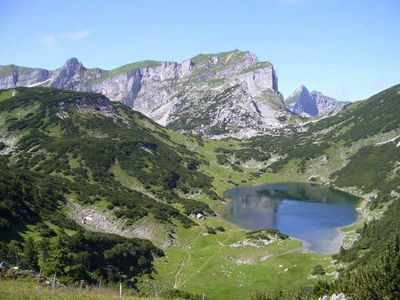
229,94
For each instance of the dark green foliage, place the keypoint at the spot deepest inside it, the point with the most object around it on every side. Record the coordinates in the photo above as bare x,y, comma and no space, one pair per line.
318,270
266,233
30,198
11,252
378,114
378,279
172,180
371,168
97,141
95,257
284,294
4,224
70,143
220,228
193,165
45,231
25,195
241,154
237,168
211,230
221,159
29,258
178,294
373,237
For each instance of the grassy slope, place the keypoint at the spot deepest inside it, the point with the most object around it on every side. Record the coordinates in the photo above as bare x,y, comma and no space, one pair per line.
200,262
209,263
357,134
29,289
98,141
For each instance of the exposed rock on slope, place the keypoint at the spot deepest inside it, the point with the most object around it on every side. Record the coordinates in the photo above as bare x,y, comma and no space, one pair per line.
313,104
216,95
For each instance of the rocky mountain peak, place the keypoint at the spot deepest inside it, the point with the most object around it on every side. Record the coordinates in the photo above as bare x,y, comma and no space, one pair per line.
226,94
314,104
68,75
72,61
300,90
73,65
304,104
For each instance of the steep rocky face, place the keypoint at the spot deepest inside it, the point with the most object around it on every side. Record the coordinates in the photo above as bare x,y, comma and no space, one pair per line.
302,103
314,104
69,76
216,95
14,76
325,104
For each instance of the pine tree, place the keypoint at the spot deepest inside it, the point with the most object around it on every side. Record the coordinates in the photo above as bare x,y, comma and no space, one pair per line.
29,259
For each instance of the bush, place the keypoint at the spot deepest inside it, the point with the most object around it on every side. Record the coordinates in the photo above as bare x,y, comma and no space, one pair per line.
211,230
318,270
220,228
178,294
4,224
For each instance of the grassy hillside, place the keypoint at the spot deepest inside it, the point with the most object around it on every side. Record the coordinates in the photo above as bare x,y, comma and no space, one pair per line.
29,289
105,159
356,150
87,139
66,149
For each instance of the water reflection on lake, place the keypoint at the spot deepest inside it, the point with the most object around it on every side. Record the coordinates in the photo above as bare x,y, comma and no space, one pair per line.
309,212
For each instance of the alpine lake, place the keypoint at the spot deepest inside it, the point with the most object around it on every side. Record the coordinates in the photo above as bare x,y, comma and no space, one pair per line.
307,212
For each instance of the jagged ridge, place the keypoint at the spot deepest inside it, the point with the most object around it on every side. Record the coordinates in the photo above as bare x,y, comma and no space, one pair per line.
216,95
314,104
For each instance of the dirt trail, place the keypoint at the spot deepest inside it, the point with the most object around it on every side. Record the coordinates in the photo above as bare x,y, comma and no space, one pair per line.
206,262
184,263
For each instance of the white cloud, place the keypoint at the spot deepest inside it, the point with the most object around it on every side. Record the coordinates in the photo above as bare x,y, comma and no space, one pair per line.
77,35
53,38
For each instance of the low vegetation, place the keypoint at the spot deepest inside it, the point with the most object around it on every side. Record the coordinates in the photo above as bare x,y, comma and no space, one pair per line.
80,147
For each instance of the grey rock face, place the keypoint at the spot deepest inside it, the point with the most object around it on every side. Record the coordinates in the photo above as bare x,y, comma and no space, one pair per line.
228,94
340,296
313,104
14,76
325,104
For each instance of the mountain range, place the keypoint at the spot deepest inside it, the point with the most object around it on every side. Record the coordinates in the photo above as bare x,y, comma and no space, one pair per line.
88,183
314,104
228,94
99,193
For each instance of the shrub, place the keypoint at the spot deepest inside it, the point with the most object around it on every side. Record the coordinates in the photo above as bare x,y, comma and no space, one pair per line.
211,230
318,270
220,228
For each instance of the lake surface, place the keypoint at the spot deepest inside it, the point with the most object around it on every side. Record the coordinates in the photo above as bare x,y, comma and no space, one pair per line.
308,212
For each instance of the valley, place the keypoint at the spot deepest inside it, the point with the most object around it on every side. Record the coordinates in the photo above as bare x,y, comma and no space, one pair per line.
199,150
144,181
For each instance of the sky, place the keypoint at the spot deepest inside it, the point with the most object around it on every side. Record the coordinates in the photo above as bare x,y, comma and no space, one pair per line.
346,49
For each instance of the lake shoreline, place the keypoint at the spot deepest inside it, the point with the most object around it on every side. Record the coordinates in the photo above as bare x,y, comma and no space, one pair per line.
251,210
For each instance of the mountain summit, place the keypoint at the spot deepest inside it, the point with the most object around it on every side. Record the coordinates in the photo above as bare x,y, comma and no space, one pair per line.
228,94
314,104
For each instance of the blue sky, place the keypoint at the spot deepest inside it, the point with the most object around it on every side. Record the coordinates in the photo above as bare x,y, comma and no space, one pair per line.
346,49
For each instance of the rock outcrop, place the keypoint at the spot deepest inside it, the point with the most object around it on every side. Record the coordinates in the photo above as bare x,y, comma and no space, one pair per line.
229,94
314,104
340,296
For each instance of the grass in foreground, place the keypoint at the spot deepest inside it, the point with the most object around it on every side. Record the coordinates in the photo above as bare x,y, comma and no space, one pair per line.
209,263
22,289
